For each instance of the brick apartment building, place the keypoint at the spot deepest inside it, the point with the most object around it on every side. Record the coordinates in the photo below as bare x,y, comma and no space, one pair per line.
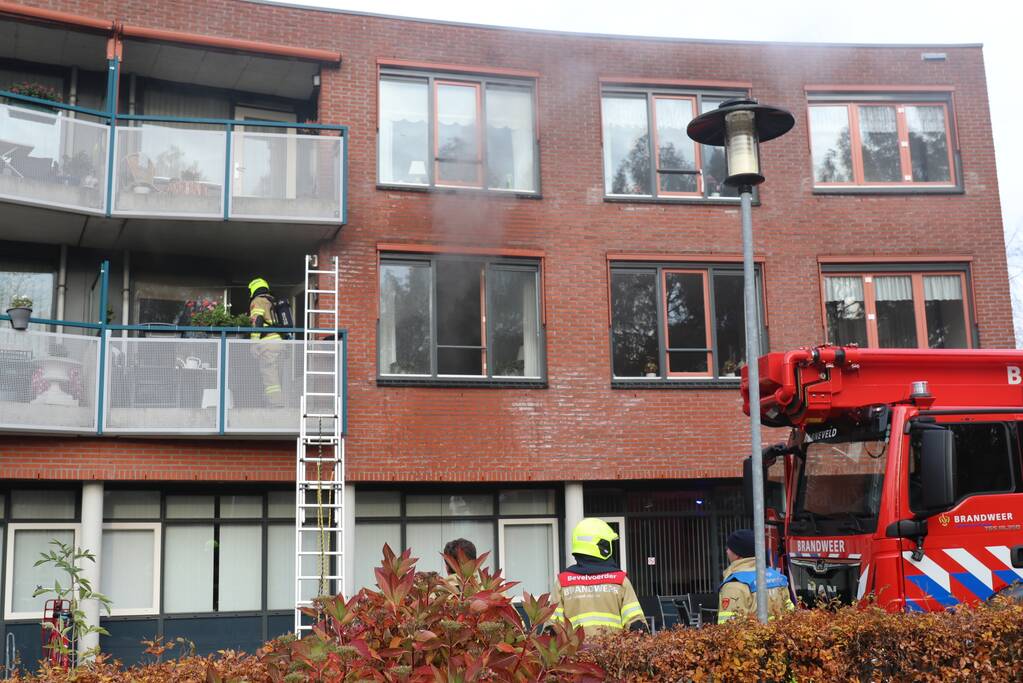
544,308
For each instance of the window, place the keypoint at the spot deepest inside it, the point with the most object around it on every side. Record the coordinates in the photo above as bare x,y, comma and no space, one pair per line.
677,321
131,567
882,142
25,543
158,302
897,309
984,461
459,317
644,125
426,521
452,131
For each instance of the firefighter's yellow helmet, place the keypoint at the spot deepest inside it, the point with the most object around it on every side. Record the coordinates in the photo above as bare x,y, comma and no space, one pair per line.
257,284
593,537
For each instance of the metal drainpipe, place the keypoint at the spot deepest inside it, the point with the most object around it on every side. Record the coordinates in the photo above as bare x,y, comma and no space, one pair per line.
125,290
574,513
62,282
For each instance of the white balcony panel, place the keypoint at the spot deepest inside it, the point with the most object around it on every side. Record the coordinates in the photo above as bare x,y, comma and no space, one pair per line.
162,385
51,159
164,170
282,176
254,368
48,381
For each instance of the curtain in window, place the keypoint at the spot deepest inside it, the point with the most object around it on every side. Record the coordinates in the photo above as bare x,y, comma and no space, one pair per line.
530,331
510,138
843,288
626,145
928,143
404,132
879,143
831,144
893,289
943,288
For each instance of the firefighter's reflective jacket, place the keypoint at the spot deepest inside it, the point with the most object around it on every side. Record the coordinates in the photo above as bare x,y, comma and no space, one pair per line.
737,596
261,312
596,598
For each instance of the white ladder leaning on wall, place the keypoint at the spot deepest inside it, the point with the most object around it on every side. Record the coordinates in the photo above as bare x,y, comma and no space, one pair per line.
320,451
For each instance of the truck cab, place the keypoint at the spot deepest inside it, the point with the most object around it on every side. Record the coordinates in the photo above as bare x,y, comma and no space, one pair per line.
902,474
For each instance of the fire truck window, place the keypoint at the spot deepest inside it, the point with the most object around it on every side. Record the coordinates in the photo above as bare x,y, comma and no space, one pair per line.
983,461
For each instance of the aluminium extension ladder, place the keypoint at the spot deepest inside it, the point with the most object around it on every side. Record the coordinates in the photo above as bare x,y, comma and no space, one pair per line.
320,451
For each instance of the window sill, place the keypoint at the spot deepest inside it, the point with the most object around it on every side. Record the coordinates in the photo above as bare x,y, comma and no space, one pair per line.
901,190
426,189
462,382
726,383
707,201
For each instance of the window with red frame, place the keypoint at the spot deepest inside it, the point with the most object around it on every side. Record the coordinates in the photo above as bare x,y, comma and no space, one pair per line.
897,309
881,143
641,125
677,320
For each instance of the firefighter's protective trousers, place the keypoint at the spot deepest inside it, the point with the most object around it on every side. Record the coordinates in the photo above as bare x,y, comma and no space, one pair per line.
268,350
604,602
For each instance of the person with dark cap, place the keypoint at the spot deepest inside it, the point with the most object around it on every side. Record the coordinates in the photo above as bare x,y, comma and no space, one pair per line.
738,594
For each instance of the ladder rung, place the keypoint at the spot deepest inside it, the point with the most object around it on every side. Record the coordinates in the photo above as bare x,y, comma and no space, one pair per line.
320,393
326,577
320,291
320,372
320,311
320,351
328,529
322,272
308,553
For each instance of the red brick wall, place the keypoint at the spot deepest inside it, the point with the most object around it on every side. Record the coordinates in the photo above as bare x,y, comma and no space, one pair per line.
579,428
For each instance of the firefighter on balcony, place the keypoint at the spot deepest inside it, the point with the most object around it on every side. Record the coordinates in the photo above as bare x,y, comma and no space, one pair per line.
595,593
267,351
738,594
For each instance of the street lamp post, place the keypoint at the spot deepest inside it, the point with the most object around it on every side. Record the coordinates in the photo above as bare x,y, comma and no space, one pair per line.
740,126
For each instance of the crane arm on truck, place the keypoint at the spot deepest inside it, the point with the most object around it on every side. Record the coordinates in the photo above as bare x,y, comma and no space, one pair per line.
811,385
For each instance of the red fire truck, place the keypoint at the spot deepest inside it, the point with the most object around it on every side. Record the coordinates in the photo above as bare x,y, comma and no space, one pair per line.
902,476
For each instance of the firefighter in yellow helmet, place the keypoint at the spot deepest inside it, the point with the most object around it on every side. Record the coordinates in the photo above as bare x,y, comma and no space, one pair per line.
261,314
595,593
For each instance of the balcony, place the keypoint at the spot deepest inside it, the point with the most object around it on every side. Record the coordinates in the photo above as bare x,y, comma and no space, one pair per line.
158,182
186,381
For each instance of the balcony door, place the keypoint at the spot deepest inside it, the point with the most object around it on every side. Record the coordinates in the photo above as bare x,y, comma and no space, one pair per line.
264,157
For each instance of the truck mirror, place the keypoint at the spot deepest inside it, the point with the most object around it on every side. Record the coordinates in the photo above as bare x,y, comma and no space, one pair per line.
1017,557
907,528
937,468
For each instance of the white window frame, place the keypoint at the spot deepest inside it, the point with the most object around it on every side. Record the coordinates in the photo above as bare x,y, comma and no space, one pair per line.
552,522
12,529
157,566
623,548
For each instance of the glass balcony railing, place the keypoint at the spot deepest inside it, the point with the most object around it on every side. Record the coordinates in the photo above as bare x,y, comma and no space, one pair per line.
52,159
60,156
197,381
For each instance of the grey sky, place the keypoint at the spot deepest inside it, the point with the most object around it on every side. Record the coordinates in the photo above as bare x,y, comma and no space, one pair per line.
991,22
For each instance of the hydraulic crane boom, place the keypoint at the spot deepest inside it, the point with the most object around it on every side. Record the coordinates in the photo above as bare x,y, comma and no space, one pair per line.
811,385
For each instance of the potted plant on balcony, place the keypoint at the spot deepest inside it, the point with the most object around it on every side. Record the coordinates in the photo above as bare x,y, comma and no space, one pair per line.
38,91
211,313
20,311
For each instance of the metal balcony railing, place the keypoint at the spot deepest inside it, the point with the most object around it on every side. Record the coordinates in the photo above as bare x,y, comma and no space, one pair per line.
69,157
88,378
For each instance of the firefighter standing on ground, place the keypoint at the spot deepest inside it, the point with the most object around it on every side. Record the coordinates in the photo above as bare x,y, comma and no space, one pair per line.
738,594
261,313
594,593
